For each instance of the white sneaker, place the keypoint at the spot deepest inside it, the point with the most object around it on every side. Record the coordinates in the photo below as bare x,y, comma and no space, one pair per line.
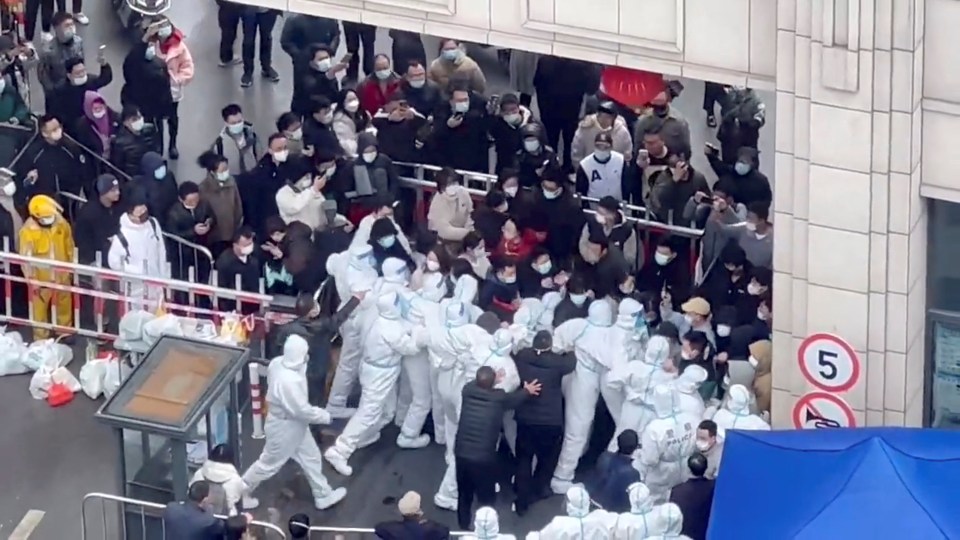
337,461
332,498
420,441
46,37
249,503
340,412
444,503
81,18
560,487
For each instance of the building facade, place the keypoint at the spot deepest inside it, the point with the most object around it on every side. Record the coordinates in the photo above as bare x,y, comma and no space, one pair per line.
868,102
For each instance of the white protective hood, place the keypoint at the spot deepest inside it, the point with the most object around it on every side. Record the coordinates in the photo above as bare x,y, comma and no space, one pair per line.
295,353
640,501
486,524
663,401
578,502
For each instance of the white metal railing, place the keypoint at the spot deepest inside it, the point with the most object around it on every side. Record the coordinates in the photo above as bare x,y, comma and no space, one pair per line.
145,515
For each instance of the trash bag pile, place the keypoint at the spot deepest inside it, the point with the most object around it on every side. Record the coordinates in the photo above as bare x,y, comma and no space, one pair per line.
140,329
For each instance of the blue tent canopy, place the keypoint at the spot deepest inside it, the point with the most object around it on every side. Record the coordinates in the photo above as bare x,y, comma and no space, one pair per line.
874,483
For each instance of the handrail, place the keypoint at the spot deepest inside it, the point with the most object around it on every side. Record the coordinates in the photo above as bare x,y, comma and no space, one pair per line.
87,150
367,530
156,506
490,180
22,151
202,249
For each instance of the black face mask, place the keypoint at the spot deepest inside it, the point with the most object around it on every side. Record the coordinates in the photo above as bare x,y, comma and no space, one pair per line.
661,110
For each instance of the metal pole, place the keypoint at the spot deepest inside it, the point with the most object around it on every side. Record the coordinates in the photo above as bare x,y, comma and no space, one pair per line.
256,401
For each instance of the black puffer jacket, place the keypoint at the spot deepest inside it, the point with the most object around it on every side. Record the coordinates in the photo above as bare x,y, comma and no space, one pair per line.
127,148
548,368
481,417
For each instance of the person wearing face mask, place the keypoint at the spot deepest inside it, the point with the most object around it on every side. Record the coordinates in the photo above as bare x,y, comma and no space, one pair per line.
374,177
423,94
219,192
350,120
490,217
533,155
742,114
192,220
314,75
430,279
559,212
601,174
134,139
499,292
575,302
674,129
755,235
239,264
688,385
667,274
453,63
317,127
51,164
398,127
609,221
302,198
506,130
696,351
761,359
607,121
139,248
375,90
475,253
384,239
514,242
290,125
604,264
639,378
171,47
258,188
67,100
287,427
752,186
735,413
538,274
630,338
46,234
144,72
450,213
159,184
387,340
589,339
300,31
10,220
237,142
519,201
762,325
666,443
710,445
96,127
694,314
579,523
459,138
67,45
673,187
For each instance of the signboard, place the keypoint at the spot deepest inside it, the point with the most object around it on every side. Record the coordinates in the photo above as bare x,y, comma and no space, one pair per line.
829,363
819,410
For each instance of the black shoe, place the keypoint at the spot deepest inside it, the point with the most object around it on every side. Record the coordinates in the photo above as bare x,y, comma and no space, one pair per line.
246,81
711,121
544,493
270,74
173,153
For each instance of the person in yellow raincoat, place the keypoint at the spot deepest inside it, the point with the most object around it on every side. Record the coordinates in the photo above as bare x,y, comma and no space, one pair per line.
47,235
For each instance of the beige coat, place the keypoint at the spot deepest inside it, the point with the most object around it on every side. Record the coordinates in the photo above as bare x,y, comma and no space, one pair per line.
450,216
586,134
441,71
763,378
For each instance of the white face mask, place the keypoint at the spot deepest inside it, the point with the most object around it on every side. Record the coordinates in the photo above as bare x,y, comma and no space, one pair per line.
531,145
687,356
246,250
351,106
47,220
752,227
601,219
661,258
753,289
9,189
79,81
723,330
137,125
369,157
417,83
761,315
511,191
99,114
753,362
433,266
296,134
223,176
304,183
512,118
461,106
451,190
689,318
281,156
323,65
703,445
578,299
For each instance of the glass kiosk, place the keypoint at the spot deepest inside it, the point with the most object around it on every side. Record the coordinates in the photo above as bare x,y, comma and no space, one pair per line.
156,414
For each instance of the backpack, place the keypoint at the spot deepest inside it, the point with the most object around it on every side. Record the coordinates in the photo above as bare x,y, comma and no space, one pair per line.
125,244
217,499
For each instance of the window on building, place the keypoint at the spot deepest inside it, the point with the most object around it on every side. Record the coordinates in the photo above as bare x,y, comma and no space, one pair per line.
943,307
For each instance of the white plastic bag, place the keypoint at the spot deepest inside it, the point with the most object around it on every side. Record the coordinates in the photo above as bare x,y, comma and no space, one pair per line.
164,325
116,371
47,352
11,354
92,376
40,383
63,376
132,322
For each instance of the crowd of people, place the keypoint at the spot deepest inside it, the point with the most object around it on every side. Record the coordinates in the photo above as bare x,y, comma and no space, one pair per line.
533,316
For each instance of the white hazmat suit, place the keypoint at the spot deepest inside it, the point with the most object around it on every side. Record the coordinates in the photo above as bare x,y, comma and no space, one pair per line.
579,523
643,520
687,384
353,272
672,519
666,443
287,428
486,526
417,372
465,290
640,378
497,356
590,341
735,413
624,349
526,323
388,340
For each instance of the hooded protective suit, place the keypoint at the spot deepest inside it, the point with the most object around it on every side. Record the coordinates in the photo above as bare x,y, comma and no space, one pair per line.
666,443
642,520
624,348
671,521
526,323
497,356
486,526
735,413
451,353
353,272
687,384
550,302
287,428
579,523
590,340
417,372
639,381
465,291
387,342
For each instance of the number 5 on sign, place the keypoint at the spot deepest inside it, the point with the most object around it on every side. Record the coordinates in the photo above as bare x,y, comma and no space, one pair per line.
829,363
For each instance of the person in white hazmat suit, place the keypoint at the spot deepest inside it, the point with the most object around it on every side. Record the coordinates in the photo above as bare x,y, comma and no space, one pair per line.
590,340
550,302
640,379
451,352
388,340
417,372
643,520
666,443
687,385
671,518
486,526
287,427
497,356
579,523
433,287
735,413
625,347
353,272
526,323
465,290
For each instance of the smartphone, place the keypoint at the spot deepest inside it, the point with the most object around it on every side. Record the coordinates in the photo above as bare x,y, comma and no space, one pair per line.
458,116
643,154
102,48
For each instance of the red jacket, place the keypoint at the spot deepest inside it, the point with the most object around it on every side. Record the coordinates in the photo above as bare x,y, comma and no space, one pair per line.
520,247
371,98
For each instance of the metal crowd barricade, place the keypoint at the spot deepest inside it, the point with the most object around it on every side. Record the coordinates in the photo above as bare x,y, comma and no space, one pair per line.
141,520
356,533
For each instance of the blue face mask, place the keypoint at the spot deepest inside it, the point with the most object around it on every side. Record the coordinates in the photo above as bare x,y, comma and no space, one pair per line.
742,168
578,299
150,53
160,173
451,54
551,194
387,242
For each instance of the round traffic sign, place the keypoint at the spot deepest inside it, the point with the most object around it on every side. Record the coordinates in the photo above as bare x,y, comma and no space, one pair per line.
819,410
829,363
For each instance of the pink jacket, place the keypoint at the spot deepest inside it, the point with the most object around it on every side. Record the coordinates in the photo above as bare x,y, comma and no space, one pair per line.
179,64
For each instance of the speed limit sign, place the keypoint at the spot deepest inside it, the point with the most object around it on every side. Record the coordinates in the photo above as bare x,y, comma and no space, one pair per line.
829,363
